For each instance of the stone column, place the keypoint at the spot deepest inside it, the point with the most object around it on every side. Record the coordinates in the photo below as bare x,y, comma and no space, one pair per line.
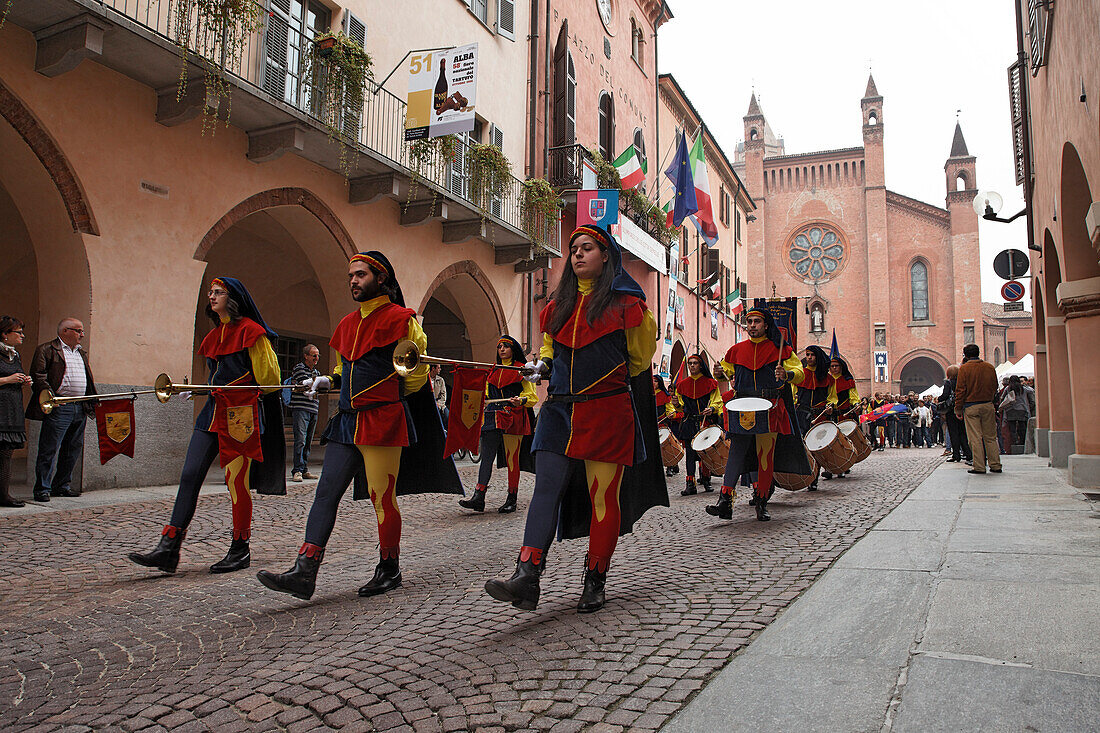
1061,405
1042,402
1079,300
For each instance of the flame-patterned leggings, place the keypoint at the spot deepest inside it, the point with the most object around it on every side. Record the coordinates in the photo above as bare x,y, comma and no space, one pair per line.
201,453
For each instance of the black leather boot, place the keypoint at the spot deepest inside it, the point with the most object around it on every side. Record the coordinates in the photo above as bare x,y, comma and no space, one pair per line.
475,502
509,505
301,580
166,555
690,490
387,575
705,483
762,510
238,558
813,486
522,589
592,597
723,509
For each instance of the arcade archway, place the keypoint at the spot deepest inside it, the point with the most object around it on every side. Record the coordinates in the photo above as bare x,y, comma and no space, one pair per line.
920,373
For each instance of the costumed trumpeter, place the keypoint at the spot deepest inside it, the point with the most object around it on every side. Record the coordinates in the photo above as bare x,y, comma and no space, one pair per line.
763,366
238,351
695,398
387,435
813,392
598,464
507,426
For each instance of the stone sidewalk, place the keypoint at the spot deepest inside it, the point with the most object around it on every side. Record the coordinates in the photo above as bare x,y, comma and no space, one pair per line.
971,606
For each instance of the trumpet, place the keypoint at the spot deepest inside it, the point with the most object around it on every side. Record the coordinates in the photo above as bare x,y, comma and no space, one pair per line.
406,357
48,401
164,387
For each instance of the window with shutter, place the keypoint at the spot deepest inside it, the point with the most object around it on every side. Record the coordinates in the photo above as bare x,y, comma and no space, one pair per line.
356,30
506,18
565,91
276,35
496,137
607,126
481,10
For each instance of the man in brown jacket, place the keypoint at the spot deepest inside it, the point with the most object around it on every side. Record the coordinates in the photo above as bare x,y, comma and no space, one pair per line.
61,366
975,390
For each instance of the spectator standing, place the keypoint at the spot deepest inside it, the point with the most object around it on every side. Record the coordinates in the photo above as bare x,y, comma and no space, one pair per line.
61,366
924,425
13,433
1015,410
892,429
439,390
907,421
975,392
937,422
303,411
960,446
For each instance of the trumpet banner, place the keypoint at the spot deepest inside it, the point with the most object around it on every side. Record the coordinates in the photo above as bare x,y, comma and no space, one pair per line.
237,423
467,413
114,420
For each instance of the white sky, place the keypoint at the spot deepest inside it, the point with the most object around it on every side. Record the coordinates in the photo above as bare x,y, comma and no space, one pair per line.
808,61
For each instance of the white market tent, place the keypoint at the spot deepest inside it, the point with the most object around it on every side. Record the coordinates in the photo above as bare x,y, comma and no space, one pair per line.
934,391
1025,367
1002,369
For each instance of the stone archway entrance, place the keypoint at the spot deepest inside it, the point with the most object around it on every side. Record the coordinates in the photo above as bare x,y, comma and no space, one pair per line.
675,362
920,374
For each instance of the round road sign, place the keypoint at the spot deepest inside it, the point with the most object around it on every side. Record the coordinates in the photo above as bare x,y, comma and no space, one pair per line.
1010,264
1012,291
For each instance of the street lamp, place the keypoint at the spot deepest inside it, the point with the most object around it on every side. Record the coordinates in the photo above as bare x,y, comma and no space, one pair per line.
988,203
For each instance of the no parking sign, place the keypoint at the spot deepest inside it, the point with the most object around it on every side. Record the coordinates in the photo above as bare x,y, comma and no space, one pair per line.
1012,291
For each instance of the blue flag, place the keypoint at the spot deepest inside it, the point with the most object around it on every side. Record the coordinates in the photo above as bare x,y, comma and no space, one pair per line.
683,184
835,352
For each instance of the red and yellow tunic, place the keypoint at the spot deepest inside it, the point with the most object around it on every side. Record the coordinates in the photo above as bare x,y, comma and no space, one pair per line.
752,364
693,394
842,393
501,416
372,411
236,352
589,413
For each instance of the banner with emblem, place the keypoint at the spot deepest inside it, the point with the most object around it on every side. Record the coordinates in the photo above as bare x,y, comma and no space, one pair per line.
237,423
785,313
115,421
467,413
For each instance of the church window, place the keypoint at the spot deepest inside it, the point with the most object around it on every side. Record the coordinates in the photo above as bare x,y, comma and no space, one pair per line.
960,182
816,252
1011,349
918,286
872,119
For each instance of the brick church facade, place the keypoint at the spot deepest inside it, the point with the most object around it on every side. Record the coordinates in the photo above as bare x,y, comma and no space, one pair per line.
896,277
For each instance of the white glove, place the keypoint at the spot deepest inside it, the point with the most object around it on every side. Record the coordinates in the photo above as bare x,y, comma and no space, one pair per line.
186,395
307,383
321,383
538,370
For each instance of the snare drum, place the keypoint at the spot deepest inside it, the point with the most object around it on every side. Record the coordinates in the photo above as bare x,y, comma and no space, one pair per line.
830,448
712,448
672,450
797,481
855,436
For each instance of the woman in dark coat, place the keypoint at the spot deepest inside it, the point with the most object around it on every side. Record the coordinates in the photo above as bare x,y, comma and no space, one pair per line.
12,380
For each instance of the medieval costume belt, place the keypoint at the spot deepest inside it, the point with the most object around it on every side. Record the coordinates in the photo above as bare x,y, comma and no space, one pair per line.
586,397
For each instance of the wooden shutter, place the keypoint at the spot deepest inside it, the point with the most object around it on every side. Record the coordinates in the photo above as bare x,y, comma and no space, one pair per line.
356,30
496,137
276,38
506,18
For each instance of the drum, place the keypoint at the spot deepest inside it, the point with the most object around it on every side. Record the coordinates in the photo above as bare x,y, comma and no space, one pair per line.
830,448
797,481
748,404
672,450
712,448
855,436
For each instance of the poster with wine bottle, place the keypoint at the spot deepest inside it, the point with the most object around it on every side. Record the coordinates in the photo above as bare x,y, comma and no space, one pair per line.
442,93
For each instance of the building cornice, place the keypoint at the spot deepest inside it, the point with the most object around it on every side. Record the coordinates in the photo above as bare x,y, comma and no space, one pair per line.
928,211
838,154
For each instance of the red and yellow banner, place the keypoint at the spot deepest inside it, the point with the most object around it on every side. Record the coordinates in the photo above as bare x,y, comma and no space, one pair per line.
237,423
467,409
115,421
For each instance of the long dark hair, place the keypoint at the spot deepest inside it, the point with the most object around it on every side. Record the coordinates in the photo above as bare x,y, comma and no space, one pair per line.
564,296
660,383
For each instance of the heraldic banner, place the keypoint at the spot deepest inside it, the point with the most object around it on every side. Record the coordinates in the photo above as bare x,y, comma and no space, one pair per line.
467,400
115,421
785,313
237,423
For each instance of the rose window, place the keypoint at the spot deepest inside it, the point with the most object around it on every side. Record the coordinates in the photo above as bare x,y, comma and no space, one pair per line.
816,252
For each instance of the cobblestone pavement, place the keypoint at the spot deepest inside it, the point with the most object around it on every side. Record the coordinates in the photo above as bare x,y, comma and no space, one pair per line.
90,640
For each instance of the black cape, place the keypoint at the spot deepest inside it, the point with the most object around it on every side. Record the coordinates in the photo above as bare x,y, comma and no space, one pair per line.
423,470
269,475
643,485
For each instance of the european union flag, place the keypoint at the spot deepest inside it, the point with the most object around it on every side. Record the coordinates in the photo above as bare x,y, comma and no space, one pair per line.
683,184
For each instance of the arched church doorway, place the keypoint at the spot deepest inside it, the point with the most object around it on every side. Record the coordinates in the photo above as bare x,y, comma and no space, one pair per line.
920,374
676,362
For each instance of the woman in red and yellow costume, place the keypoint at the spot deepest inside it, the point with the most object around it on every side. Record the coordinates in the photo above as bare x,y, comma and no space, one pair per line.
597,462
238,351
696,399
505,425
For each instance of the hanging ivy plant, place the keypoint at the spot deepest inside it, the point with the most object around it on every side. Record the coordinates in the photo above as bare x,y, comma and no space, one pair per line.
216,31
489,174
5,11
425,153
607,175
540,207
338,70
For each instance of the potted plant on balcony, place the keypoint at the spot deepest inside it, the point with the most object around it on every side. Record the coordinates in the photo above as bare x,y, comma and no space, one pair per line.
216,31
540,208
439,151
338,70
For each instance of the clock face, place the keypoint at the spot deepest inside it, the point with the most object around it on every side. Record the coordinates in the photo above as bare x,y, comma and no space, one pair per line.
604,6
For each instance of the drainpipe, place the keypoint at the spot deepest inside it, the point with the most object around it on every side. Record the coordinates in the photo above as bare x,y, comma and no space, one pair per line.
545,159
532,131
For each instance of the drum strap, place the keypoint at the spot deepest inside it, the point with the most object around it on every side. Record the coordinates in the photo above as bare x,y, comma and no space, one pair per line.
585,397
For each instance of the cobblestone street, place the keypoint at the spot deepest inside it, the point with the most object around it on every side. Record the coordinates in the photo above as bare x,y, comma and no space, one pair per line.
92,641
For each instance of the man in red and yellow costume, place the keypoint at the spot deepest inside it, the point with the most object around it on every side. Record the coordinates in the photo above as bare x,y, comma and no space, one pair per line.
696,399
387,430
761,366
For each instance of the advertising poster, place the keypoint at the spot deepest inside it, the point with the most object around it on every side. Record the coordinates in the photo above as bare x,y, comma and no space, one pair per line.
670,310
680,313
442,93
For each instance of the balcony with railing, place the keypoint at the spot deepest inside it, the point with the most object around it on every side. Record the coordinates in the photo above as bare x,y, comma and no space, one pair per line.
269,97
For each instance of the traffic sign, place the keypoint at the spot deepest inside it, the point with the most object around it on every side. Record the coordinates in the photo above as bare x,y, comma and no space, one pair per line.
1012,290
1014,307
1010,264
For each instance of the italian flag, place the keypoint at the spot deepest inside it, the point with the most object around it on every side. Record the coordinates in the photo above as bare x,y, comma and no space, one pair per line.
704,217
632,167
736,304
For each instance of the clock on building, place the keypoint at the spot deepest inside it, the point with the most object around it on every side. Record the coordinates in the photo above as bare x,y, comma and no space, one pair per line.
605,7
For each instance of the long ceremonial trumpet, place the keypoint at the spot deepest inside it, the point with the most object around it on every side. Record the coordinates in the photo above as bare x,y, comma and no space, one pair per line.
406,357
164,387
47,400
